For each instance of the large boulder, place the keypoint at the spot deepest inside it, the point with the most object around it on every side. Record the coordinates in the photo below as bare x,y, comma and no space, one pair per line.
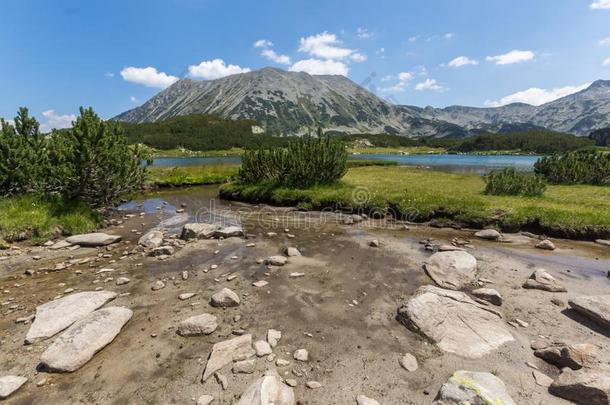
574,356
10,384
541,280
79,343
268,390
452,270
151,239
198,325
470,387
455,322
585,386
93,239
225,352
198,231
57,315
596,308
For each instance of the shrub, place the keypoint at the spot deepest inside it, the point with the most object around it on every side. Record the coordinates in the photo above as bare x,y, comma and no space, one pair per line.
305,162
511,182
579,167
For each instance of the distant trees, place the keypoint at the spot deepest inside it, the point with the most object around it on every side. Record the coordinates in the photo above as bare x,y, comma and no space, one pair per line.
601,137
91,161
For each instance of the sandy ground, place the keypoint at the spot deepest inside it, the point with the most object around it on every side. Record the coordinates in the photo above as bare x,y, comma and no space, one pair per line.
342,311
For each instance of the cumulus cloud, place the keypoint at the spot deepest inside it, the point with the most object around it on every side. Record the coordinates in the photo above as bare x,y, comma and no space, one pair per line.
537,96
403,80
363,33
449,35
274,57
263,43
601,5
429,84
214,69
606,62
109,75
56,121
511,57
320,67
462,61
148,76
604,41
358,57
324,45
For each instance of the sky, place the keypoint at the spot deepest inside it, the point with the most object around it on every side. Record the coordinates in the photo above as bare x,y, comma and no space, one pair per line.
114,55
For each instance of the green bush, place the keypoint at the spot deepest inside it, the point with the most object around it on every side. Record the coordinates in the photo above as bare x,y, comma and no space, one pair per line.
304,162
579,167
511,182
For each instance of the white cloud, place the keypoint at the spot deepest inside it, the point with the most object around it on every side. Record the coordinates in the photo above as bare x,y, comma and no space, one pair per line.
272,56
55,121
604,41
462,61
511,57
109,75
320,67
148,76
606,62
429,84
449,35
403,81
263,43
358,57
363,33
325,46
537,96
214,69
601,5
133,99
414,38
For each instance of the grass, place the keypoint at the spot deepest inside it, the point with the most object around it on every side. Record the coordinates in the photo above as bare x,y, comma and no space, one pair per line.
370,162
32,217
191,175
579,212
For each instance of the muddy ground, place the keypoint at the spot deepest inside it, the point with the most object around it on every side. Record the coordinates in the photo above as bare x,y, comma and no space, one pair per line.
342,310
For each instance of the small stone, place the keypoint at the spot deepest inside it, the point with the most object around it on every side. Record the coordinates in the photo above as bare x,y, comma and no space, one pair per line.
282,363
225,298
244,367
122,280
273,337
185,275
204,399
362,400
262,348
489,234
186,296
292,252
314,385
409,362
301,355
291,382
488,294
276,260
157,285
296,275
542,280
260,283
521,323
546,245
374,243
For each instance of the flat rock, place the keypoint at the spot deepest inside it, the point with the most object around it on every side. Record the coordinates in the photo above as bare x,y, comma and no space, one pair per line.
198,325
603,242
488,234
122,281
596,308
455,322
244,366
198,231
225,298
10,384
225,352
292,252
545,245
268,390
60,245
574,356
93,239
488,294
452,270
363,400
301,355
57,315
470,387
273,337
79,343
151,239
409,362
205,400
186,296
542,379
229,231
313,385
585,386
541,280
262,348
260,283
276,260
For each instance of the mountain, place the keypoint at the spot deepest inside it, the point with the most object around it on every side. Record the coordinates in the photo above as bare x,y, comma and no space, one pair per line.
288,103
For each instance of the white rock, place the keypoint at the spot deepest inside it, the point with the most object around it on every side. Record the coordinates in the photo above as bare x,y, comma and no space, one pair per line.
186,296
362,400
276,260
452,270
268,390
301,355
157,285
93,239
198,325
10,384
198,231
469,387
225,352
229,231
205,400
79,343
596,308
262,348
260,283
541,280
152,239
409,362
546,245
314,385
292,251
57,315
489,234
244,366
225,298
122,280
273,337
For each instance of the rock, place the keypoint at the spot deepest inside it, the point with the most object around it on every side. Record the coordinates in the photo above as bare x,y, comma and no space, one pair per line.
162,251
55,316
122,281
260,283
273,337
314,385
292,251
262,348
452,270
296,274
268,390
229,231
409,362
470,387
586,386
603,242
198,325
93,239
348,220
186,296
558,302
205,400
374,243
541,280
546,245
157,285
539,344
225,298
10,384
291,382
276,260
301,355
455,322
596,308
60,245
488,234
152,239
362,400
244,366
488,294
79,343
573,356
542,379
222,380
185,275
449,248
282,363
198,231
225,352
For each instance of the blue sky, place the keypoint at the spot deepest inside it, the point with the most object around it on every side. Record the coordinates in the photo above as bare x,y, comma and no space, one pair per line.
59,55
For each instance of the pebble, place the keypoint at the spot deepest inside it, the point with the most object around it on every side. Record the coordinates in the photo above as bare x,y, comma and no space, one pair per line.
291,382
409,362
260,283
301,355
157,285
122,280
313,385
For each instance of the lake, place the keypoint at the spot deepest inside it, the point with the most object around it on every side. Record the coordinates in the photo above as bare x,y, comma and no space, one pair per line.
476,164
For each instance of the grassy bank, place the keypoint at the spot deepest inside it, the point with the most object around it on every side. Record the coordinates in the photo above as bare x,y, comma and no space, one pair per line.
580,212
190,175
32,217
